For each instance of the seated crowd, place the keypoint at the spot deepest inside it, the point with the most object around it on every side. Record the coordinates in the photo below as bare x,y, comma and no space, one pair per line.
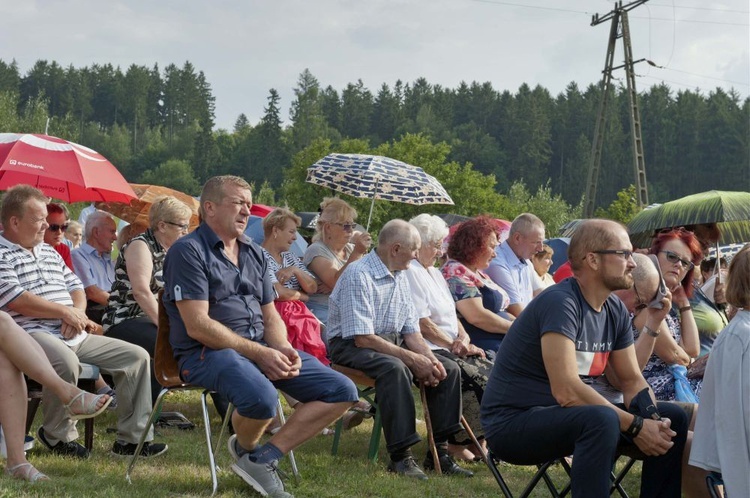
599,364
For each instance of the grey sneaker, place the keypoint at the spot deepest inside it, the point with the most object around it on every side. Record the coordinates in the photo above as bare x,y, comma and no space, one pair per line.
262,477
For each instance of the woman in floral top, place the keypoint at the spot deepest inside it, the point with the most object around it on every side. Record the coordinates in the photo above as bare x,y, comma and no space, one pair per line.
480,302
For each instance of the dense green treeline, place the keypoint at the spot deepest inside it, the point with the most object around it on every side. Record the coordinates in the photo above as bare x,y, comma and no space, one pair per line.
157,126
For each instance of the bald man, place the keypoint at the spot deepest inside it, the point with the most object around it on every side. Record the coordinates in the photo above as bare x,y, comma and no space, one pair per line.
537,408
373,326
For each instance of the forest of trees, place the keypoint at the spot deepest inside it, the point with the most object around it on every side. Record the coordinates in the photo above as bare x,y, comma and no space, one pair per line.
157,126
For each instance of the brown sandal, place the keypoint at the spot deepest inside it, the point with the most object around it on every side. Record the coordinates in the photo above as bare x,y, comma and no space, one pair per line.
26,472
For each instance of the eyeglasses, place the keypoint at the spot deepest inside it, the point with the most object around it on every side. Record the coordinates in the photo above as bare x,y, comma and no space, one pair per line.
348,227
182,227
57,228
641,303
624,253
674,258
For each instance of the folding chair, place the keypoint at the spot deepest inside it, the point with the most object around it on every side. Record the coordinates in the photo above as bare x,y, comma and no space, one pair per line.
86,381
541,474
168,375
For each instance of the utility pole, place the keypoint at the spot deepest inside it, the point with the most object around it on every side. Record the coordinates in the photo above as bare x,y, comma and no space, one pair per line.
619,28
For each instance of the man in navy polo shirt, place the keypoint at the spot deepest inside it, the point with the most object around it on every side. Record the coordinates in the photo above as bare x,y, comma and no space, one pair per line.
537,408
227,336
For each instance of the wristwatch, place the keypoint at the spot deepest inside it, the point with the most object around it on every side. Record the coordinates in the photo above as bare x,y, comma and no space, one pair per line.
650,331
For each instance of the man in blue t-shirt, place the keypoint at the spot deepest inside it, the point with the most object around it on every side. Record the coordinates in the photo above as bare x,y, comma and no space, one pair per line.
228,337
536,407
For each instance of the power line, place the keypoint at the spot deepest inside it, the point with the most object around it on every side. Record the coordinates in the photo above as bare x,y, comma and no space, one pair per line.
696,74
557,9
710,9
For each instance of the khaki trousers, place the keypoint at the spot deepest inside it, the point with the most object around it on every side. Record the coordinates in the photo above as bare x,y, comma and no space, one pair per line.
128,365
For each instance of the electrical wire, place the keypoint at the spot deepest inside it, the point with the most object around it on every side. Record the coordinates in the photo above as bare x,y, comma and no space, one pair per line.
652,63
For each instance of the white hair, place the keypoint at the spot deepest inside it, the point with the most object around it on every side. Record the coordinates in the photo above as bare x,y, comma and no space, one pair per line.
94,220
431,228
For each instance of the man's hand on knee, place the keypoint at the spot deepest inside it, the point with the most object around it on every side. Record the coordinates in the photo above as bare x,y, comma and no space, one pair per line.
655,437
276,365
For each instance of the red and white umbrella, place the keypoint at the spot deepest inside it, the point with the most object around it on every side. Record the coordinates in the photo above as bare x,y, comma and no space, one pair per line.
61,169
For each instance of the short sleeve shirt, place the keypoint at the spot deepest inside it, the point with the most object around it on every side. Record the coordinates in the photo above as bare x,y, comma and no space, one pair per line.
519,379
41,272
196,268
288,259
516,276
369,299
432,299
92,268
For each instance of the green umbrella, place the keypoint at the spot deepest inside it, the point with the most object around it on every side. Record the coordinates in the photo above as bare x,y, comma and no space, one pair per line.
729,210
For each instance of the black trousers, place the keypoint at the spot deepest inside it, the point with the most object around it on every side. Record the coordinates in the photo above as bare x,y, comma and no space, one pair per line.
393,386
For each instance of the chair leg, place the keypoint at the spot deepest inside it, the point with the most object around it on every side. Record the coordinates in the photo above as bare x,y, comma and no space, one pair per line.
151,419
282,419
377,427
224,425
428,423
490,461
617,480
474,439
209,443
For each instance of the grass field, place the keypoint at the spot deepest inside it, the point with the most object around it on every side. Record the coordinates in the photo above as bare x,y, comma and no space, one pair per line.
183,470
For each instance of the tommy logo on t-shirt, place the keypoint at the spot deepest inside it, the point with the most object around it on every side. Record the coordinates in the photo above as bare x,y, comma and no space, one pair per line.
592,357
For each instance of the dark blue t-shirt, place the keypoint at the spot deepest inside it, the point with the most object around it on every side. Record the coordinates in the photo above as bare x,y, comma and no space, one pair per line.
519,379
196,268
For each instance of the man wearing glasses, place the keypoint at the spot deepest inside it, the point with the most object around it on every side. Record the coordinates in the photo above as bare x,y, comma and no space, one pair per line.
536,408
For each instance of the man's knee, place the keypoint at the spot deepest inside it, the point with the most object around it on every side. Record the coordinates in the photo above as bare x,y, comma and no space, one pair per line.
605,423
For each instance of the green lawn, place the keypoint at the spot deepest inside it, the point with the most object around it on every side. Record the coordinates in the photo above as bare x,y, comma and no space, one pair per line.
183,470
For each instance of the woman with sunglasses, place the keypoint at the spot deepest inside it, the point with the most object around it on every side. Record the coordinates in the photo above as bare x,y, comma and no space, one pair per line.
57,219
335,245
678,251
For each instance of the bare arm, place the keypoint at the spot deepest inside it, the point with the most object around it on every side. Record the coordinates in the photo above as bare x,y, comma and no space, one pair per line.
560,363
327,273
434,334
689,341
139,265
287,294
29,304
515,309
97,295
476,314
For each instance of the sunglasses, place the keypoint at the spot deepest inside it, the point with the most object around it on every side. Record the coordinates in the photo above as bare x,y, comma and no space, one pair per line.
57,228
674,258
348,227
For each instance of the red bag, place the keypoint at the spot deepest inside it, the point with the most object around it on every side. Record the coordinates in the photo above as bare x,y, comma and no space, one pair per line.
302,328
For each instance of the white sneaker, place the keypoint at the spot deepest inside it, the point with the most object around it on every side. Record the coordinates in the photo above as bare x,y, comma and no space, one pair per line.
262,477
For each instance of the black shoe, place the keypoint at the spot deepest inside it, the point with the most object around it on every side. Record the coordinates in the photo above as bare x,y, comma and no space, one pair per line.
407,467
447,465
71,449
128,449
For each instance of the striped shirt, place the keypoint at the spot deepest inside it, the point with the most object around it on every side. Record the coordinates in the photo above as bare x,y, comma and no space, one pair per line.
369,299
42,272
288,259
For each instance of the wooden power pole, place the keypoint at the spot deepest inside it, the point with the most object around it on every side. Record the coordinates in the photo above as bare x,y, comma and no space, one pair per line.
618,29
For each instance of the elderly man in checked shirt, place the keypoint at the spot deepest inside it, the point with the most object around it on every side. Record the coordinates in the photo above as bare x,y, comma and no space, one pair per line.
373,327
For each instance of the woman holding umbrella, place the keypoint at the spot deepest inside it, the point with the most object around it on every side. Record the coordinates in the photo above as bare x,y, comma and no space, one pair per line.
132,312
334,247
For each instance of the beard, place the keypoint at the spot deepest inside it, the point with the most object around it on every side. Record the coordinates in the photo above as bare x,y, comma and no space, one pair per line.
621,282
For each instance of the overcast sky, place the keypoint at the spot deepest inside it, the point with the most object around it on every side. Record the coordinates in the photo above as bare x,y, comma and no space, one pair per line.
247,47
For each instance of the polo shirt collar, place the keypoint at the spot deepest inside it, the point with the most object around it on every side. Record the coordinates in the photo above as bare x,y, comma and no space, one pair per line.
212,240
12,245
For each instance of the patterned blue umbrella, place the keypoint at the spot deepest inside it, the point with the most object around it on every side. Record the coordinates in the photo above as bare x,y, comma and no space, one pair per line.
377,177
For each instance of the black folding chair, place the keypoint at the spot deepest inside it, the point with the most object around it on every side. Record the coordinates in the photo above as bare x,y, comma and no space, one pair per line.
541,474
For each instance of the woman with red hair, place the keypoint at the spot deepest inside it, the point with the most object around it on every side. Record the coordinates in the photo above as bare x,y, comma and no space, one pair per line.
480,303
678,251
